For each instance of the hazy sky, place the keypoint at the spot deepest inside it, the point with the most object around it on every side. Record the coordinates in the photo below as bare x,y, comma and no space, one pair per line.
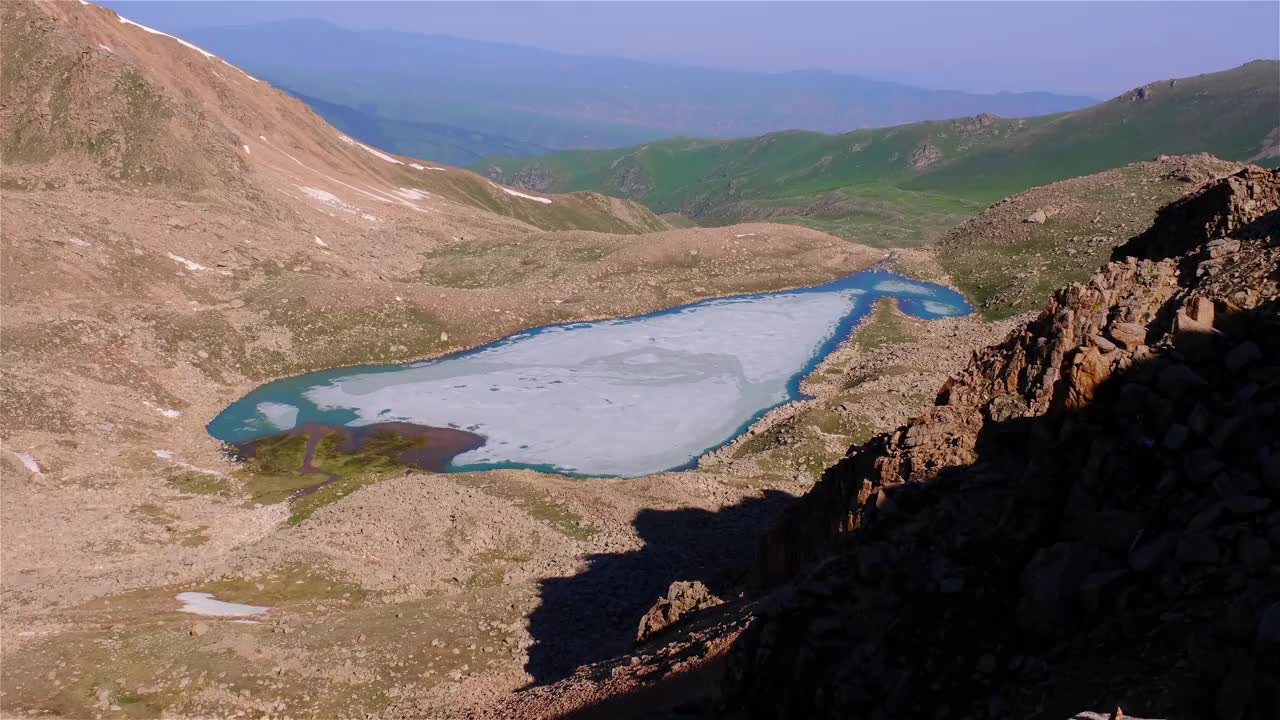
1091,48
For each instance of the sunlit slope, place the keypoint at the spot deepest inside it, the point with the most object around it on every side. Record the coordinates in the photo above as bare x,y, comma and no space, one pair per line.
904,184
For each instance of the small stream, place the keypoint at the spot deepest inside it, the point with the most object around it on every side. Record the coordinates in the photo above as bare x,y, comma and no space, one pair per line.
620,397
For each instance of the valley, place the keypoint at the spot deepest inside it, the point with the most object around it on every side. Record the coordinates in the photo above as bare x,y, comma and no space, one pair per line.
295,425
906,185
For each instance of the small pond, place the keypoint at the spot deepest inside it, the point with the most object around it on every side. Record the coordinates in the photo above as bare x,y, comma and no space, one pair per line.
623,397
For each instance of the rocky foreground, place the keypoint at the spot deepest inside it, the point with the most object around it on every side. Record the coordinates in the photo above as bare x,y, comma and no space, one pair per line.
1087,518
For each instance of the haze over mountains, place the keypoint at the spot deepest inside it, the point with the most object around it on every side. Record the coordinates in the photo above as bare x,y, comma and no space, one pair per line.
906,184
520,101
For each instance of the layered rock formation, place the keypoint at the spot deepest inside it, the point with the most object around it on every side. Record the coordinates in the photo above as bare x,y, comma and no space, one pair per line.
1088,518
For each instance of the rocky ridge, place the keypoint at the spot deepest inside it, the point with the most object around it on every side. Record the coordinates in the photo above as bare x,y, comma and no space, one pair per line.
1086,518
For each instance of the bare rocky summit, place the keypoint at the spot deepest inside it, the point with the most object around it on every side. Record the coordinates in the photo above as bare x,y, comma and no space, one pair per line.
1088,516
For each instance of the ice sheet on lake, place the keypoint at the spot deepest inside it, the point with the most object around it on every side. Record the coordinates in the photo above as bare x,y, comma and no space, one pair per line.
280,416
626,397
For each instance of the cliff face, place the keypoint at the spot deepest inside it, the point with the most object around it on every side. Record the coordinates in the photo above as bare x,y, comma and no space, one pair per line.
1088,517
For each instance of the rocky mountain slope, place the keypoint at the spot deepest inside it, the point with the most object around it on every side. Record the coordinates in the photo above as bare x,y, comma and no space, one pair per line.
904,185
115,101
1086,519
174,233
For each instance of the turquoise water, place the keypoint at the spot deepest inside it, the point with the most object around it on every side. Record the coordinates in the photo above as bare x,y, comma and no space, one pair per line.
621,397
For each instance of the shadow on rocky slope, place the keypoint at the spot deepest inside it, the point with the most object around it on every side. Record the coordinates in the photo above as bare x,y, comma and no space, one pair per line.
1088,518
593,615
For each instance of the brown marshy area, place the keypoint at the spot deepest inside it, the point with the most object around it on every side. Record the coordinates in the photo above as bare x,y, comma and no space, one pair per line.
315,464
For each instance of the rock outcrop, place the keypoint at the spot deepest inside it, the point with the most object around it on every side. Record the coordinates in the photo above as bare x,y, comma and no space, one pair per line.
682,598
1088,516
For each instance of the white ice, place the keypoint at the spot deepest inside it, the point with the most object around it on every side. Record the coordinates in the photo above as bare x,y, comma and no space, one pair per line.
172,457
27,461
326,197
622,397
197,48
938,308
203,603
280,416
188,264
167,412
153,31
411,194
372,151
902,287
517,193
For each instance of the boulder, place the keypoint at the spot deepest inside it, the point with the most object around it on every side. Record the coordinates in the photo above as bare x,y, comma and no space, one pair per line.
682,598
1039,217
1128,335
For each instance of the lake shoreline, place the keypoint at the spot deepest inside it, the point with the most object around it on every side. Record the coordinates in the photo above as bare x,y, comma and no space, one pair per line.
669,365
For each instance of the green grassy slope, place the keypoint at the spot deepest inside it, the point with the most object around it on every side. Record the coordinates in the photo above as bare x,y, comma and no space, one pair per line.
904,185
1227,114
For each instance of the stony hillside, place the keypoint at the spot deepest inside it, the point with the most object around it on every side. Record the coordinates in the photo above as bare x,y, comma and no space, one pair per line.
117,102
1009,259
1087,519
174,233
904,185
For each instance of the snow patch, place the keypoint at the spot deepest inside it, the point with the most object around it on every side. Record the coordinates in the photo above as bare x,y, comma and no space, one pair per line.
203,603
169,455
741,235
246,150
372,151
188,264
412,194
325,197
28,461
517,193
104,47
167,412
208,55
153,31
321,243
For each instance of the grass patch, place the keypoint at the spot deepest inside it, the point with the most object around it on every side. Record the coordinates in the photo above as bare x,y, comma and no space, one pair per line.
866,377
290,584
885,328
192,482
274,473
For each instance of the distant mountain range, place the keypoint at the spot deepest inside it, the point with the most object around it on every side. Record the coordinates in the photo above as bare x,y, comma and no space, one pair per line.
906,184
457,100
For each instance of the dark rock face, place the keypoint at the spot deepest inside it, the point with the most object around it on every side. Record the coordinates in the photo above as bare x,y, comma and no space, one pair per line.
1088,517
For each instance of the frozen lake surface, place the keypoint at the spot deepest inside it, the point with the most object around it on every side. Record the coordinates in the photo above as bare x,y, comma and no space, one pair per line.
626,397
